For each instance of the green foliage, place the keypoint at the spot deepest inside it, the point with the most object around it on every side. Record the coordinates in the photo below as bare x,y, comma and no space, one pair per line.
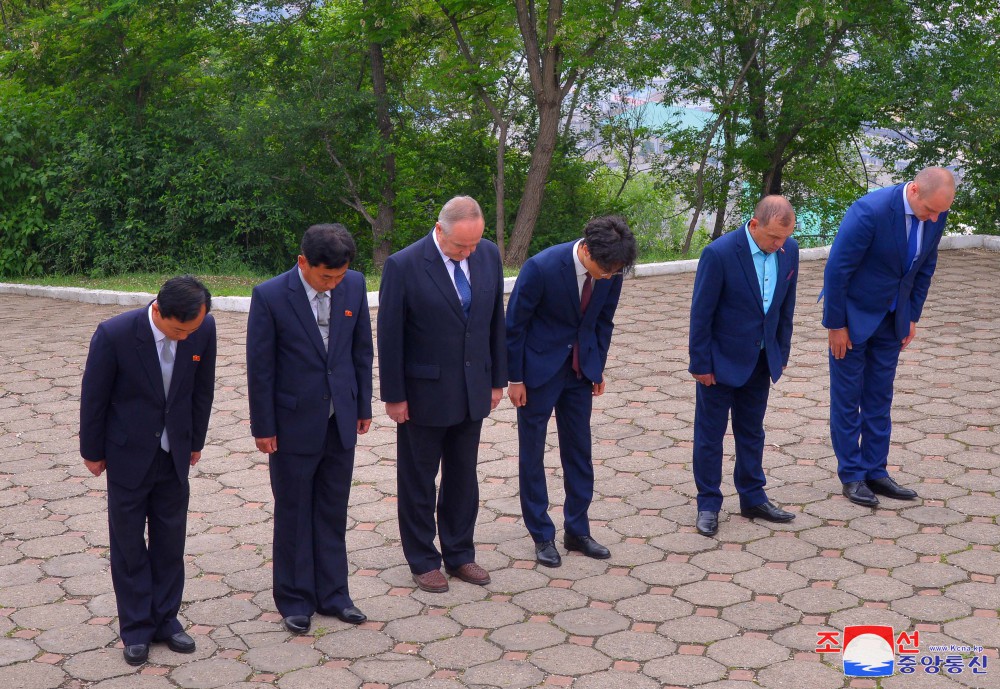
24,187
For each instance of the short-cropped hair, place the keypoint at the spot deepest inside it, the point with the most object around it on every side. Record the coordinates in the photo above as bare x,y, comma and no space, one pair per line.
328,244
611,243
182,297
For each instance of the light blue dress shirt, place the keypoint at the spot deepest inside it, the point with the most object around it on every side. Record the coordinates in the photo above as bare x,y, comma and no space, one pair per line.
766,266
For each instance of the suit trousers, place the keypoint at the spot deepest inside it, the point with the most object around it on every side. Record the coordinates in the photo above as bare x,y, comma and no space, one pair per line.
861,387
572,399
148,579
748,404
421,450
310,525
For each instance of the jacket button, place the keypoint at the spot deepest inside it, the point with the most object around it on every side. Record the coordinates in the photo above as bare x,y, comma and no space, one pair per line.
326,397
757,343
329,371
468,363
158,434
569,346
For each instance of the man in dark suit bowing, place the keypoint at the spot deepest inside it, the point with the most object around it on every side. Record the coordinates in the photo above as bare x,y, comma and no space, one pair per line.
442,369
875,284
559,324
739,341
309,368
145,401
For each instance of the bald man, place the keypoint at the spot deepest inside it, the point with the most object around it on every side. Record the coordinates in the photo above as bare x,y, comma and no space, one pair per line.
739,341
875,284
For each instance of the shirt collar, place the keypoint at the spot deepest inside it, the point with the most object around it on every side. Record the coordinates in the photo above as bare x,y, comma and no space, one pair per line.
310,292
906,202
754,249
157,335
580,268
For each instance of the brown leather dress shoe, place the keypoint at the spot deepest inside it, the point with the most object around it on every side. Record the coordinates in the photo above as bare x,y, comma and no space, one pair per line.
472,573
432,581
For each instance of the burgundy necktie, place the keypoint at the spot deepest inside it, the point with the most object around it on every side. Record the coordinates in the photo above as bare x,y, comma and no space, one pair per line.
588,288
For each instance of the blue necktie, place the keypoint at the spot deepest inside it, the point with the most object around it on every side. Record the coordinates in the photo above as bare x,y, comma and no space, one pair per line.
911,251
463,287
911,243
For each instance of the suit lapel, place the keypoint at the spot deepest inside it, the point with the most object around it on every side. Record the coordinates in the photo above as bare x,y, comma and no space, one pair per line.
571,282
146,348
182,361
299,303
338,300
899,227
438,274
746,262
479,275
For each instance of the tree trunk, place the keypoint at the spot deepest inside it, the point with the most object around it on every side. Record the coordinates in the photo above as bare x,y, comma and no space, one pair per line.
534,185
499,182
386,216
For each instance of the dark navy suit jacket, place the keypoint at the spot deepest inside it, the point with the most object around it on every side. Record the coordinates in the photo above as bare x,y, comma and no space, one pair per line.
727,311
443,366
865,271
123,408
544,320
292,378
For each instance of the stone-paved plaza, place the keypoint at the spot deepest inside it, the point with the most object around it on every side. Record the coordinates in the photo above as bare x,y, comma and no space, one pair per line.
669,609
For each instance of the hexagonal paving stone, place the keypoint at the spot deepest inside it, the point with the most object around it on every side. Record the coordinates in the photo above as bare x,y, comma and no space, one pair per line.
391,668
768,581
668,573
982,631
207,674
979,561
800,673
875,588
761,615
929,574
698,630
31,676
713,593
747,652
609,587
590,621
976,594
315,677
355,643
780,549
549,600
684,670
508,674
653,608
930,608
880,555
527,636
487,614
615,680
461,652
727,561
637,646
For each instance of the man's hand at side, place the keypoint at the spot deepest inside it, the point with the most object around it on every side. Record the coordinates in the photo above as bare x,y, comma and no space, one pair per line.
398,411
704,378
495,396
518,394
909,338
267,445
840,342
96,468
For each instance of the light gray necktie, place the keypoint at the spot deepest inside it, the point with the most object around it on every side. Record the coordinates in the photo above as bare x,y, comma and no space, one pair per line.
323,316
323,321
167,371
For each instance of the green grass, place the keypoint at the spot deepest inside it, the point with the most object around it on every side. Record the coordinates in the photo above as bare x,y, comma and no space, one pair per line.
239,285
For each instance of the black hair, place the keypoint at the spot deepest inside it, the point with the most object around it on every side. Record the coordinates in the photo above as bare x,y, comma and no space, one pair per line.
611,243
182,297
329,244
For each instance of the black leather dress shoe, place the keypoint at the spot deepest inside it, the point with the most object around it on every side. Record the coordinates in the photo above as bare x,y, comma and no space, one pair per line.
768,512
859,493
707,523
297,624
586,545
180,642
547,555
136,654
350,615
889,488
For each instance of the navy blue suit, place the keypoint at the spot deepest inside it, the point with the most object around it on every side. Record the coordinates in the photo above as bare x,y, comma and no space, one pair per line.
543,323
864,274
292,379
123,411
445,367
728,327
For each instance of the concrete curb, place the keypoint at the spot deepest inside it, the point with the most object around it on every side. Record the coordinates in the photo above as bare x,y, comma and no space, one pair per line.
242,304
